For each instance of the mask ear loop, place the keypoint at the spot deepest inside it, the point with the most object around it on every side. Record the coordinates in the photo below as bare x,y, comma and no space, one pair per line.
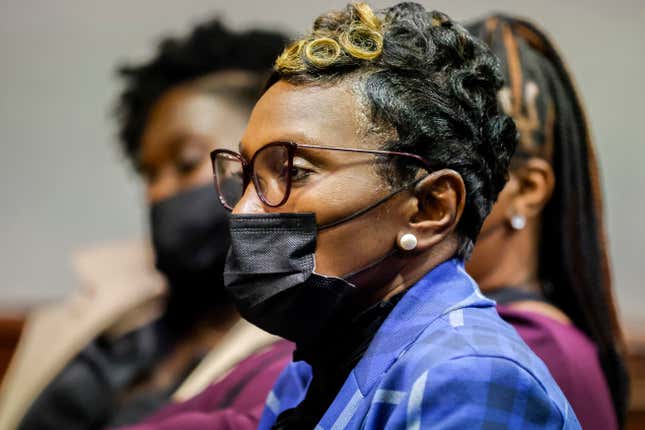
372,264
370,207
390,253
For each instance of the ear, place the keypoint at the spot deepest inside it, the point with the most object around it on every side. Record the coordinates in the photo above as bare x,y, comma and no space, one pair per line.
535,182
440,200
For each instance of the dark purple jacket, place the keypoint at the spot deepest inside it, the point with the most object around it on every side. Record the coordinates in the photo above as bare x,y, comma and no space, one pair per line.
573,361
236,402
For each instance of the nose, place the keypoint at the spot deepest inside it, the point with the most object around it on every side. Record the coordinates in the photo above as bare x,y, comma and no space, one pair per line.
250,203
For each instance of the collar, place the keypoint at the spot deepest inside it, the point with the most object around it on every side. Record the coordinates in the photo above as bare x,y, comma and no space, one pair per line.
444,289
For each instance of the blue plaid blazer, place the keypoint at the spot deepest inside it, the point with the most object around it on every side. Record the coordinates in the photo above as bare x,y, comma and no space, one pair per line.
443,359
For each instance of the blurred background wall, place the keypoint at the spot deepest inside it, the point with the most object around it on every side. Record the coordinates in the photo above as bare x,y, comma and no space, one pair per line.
64,184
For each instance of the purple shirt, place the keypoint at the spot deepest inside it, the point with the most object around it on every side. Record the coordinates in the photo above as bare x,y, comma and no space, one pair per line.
236,402
573,361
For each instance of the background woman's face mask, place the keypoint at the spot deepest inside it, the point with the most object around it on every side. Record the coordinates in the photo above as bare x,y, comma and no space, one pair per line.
190,239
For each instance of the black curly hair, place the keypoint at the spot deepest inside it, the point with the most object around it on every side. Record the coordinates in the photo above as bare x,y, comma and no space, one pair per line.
210,48
428,79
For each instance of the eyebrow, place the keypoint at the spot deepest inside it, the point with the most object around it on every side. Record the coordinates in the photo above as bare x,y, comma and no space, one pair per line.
316,156
181,139
298,138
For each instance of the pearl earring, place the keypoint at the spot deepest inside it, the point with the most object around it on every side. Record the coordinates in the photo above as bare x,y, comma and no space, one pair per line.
518,222
408,242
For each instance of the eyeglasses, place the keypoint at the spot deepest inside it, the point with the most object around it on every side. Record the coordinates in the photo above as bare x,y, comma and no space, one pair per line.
271,170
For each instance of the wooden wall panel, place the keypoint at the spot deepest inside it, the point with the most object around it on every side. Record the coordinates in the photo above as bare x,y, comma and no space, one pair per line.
11,324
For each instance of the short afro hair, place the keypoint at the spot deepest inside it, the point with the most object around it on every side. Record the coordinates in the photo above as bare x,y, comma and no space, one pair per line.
210,48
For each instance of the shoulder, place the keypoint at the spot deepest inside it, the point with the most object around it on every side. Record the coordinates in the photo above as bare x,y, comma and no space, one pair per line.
236,401
471,331
476,391
554,341
76,397
470,367
570,356
501,389
573,361
108,301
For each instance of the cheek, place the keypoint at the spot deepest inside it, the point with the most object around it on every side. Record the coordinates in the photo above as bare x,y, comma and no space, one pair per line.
201,175
338,194
357,243
494,218
486,253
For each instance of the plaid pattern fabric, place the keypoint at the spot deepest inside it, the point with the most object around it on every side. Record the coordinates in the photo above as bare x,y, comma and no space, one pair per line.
443,359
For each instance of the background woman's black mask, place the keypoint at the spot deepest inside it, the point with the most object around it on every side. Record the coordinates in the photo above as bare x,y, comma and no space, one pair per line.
190,238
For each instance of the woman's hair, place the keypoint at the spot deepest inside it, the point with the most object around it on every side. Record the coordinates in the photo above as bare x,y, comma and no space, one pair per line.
424,77
574,263
210,48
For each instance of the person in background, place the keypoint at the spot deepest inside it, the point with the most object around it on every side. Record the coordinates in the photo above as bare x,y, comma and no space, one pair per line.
133,340
362,180
542,253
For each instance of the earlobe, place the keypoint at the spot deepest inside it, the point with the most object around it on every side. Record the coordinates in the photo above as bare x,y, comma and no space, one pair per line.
440,198
407,241
518,222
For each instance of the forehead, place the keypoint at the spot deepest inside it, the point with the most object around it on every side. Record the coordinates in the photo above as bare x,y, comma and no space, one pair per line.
187,107
203,102
186,111
321,115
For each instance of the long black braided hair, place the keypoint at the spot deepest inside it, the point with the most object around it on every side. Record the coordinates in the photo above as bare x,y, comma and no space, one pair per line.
574,262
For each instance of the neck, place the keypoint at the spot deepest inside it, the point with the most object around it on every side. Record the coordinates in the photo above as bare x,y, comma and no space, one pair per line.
206,332
507,259
186,318
399,272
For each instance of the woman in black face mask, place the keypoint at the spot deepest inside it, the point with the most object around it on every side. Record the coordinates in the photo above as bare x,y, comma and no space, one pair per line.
193,96
362,180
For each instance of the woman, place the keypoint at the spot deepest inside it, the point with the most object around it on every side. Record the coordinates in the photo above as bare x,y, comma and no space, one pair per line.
548,224
363,178
196,93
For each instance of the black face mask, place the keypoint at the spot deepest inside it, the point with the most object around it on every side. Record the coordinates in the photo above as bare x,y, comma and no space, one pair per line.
269,273
190,238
